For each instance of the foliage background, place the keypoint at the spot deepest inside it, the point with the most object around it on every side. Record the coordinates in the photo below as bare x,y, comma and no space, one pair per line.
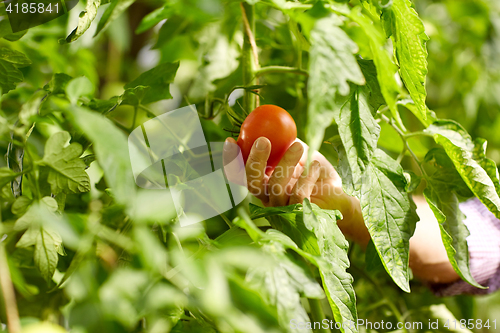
133,285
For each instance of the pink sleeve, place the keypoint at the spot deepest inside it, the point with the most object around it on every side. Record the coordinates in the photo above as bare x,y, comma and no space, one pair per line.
484,251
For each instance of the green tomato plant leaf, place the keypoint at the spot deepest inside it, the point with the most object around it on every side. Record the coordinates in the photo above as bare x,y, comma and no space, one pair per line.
10,75
385,68
468,161
158,79
454,233
407,30
113,11
66,169
332,66
85,20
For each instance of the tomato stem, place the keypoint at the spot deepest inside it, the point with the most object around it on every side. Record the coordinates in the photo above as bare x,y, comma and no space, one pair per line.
280,69
249,58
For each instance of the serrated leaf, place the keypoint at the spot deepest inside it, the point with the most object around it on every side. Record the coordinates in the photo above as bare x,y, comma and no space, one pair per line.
10,76
32,215
29,237
14,57
331,66
359,133
401,21
67,170
112,152
21,204
454,233
321,242
133,96
158,79
45,255
375,97
85,20
284,283
462,151
385,68
333,247
113,11
389,215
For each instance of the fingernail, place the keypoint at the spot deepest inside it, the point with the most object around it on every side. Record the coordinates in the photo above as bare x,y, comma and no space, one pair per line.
261,144
295,147
227,145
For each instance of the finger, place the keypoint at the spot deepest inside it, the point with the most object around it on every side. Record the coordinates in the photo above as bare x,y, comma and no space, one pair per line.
256,167
328,172
278,183
234,167
305,184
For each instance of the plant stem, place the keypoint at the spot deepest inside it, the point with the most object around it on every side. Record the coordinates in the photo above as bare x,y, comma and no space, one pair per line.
317,314
9,295
249,57
280,69
390,304
404,137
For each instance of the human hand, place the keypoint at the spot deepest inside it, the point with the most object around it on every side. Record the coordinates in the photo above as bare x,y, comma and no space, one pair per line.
291,182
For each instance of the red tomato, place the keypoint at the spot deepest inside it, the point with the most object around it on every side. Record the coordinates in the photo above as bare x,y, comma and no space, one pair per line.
272,122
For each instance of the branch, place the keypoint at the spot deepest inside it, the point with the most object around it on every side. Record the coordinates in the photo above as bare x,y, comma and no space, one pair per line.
9,295
280,69
249,33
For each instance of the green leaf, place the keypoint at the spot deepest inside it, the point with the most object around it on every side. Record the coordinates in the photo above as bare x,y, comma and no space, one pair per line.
375,97
31,108
401,21
284,219
388,211
14,57
47,242
112,151
6,176
257,212
133,96
385,68
113,11
331,65
154,18
58,83
446,176
78,87
359,133
454,233
158,79
389,215
333,247
10,75
6,31
45,255
462,151
67,171
85,20
284,284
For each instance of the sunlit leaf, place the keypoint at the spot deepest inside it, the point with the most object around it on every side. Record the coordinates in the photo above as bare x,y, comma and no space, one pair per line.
67,170
331,66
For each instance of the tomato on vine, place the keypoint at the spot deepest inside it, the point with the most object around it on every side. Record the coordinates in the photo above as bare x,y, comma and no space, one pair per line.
272,122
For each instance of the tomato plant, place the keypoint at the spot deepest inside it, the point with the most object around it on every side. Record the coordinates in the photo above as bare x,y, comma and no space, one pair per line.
272,122
395,94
